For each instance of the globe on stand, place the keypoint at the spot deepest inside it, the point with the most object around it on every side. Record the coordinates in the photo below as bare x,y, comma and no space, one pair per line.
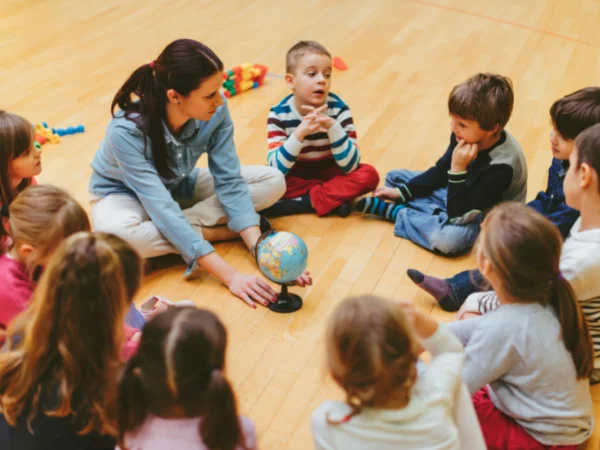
281,257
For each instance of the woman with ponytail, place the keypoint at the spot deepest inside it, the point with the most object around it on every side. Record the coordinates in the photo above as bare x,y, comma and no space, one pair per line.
174,394
529,361
145,186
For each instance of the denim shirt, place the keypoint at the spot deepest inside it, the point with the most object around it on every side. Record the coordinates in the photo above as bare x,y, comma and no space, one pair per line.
122,166
551,203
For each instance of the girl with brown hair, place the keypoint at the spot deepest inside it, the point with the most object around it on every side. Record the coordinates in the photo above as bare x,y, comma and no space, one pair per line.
174,393
58,377
528,362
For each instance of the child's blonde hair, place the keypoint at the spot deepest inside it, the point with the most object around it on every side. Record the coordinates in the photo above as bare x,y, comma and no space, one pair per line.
371,350
300,49
43,216
16,139
70,336
523,249
486,98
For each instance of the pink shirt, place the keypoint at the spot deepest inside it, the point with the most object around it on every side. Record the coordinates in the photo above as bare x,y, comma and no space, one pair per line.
157,433
16,288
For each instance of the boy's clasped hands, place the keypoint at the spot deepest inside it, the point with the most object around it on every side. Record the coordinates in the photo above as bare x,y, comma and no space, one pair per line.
314,122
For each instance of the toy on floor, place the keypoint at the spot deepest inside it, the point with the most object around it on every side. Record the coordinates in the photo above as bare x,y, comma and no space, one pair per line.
243,78
44,133
339,63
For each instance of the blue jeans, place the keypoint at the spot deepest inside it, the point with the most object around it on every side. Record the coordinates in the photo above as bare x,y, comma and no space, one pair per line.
466,283
134,318
425,220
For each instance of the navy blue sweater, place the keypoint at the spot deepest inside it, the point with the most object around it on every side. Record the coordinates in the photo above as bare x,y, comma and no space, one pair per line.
551,203
498,173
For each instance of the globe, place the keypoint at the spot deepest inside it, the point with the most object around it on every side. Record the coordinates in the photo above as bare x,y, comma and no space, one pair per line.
281,256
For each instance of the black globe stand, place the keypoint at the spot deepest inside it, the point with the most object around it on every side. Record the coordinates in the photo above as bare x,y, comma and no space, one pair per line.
286,302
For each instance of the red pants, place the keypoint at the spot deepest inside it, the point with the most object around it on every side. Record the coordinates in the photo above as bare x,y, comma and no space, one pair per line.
327,185
501,432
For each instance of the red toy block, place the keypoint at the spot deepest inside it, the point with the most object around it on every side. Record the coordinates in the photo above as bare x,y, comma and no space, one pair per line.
339,63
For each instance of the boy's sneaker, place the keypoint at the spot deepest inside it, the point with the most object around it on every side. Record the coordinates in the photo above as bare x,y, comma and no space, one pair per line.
343,210
157,304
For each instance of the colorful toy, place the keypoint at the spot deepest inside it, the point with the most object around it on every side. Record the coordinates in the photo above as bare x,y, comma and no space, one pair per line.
339,63
40,139
69,130
243,78
43,130
44,133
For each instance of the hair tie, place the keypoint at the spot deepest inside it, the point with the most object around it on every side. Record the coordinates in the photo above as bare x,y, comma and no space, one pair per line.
559,276
4,212
152,64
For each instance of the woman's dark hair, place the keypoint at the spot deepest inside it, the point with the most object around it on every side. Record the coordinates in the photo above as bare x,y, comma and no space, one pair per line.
179,364
182,66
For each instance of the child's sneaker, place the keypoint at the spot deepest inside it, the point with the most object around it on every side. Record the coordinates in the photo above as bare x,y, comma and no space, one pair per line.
157,304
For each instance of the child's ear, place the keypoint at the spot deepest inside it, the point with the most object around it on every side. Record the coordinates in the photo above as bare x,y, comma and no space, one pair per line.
485,267
587,176
494,130
289,80
25,250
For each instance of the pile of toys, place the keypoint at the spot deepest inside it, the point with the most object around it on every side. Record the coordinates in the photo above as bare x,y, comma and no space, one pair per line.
243,78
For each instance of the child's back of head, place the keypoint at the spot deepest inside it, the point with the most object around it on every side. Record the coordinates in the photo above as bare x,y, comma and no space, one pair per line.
178,373
41,217
371,351
519,254
66,345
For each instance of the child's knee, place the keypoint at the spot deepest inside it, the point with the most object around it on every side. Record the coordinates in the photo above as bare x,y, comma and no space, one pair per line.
276,181
449,242
398,177
368,177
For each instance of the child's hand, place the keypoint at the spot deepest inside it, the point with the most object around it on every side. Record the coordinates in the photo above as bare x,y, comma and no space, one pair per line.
304,280
464,154
310,124
323,119
388,193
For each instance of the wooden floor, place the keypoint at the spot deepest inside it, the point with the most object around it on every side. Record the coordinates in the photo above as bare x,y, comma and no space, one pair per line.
62,61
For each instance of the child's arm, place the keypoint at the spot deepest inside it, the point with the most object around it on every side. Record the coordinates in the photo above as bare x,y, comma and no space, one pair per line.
444,371
283,149
433,178
482,194
342,135
489,350
131,342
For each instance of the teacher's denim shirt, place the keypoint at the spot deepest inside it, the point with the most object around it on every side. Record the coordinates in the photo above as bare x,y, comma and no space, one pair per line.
123,166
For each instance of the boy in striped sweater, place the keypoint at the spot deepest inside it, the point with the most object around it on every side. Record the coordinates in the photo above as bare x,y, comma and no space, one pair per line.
312,140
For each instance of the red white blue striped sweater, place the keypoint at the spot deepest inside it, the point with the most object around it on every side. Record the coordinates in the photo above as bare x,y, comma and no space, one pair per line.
339,143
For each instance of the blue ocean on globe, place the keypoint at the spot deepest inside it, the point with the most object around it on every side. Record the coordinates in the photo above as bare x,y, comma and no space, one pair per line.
282,257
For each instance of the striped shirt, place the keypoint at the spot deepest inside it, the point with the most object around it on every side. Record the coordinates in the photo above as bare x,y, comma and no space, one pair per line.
339,143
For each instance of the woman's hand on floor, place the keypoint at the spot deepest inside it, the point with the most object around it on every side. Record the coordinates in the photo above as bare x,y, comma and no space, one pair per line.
251,289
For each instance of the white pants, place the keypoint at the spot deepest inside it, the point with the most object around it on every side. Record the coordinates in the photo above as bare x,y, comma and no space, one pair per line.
125,216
